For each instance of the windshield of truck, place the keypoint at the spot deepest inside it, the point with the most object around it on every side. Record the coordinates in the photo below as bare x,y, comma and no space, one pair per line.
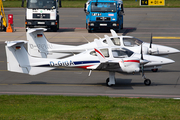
41,4
103,7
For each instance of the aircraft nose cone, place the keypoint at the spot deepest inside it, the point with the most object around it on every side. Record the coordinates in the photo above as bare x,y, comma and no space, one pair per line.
172,50
167,50
167,61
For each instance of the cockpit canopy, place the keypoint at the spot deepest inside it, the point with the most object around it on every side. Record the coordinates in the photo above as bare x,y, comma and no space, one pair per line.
131,42
115,52
127,41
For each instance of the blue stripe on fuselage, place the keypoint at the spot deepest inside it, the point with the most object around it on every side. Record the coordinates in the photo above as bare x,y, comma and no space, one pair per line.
85,62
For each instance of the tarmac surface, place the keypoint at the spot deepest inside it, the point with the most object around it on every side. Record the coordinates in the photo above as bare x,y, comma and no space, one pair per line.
163,23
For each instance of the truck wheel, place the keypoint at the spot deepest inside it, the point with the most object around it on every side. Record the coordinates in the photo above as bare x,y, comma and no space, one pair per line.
121,26
89,31
54,29
117,31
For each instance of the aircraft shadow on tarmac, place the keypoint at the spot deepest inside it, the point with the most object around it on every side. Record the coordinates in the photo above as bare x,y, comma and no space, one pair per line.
120,84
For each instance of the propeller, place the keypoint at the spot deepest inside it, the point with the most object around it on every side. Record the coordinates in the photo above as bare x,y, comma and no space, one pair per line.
141,53
142,65
150,46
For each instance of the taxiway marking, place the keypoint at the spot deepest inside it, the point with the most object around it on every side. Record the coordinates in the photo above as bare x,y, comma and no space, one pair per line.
165,37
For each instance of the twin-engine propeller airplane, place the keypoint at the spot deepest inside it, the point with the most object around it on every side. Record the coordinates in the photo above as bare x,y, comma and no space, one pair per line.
38,46
106,58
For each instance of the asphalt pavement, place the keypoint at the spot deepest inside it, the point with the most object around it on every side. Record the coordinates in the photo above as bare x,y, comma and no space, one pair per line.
163,23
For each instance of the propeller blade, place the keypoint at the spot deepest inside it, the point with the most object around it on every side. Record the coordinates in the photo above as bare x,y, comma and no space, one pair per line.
141,53
151,42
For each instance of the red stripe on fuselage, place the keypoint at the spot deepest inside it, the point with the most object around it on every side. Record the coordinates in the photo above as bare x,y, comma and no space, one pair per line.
132,61
99,52
84,67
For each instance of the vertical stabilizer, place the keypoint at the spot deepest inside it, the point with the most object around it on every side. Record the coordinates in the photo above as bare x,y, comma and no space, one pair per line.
18,60
37,42
38,45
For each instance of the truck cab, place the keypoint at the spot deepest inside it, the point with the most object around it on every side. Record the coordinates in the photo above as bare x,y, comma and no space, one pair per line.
104,15
42,13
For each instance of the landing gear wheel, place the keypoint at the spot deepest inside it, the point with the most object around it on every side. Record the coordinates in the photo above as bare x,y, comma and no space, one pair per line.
89,31
147,82
154,70
107,80
117,31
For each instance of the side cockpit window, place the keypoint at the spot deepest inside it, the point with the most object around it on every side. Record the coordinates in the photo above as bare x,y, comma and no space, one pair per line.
121,53
131,42
93,53
116,41
105,52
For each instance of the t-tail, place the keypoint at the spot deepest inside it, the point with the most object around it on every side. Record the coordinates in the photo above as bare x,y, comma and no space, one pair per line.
18,60
38,45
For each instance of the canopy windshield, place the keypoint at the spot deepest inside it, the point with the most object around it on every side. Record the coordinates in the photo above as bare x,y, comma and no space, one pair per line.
103,7
41,4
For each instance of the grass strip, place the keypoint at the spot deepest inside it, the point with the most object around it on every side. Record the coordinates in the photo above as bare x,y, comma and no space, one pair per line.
80,4
36,107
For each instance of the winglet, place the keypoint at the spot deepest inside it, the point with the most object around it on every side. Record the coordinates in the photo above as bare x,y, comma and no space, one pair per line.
110,43
114,34
100,55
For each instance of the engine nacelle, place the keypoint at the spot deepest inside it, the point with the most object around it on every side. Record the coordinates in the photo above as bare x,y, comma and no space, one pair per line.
130,65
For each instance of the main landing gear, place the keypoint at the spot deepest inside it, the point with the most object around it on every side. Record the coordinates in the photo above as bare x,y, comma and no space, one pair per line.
112,81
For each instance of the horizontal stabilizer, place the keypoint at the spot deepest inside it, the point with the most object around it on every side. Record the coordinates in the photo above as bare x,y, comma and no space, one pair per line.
30,30
13,43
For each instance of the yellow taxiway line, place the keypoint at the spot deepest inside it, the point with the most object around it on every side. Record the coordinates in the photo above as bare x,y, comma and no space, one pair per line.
155,37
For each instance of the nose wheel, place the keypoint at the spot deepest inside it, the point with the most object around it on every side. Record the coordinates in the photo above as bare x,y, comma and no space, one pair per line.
147,82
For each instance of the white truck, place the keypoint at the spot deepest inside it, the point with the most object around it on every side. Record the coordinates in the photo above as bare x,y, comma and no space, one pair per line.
42,13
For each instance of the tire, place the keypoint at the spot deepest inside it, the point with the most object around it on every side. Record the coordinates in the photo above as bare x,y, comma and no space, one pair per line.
147,82
54,29
121,26
89,31
107,80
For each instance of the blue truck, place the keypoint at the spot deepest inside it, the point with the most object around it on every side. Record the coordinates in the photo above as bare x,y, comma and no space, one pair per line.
104,15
